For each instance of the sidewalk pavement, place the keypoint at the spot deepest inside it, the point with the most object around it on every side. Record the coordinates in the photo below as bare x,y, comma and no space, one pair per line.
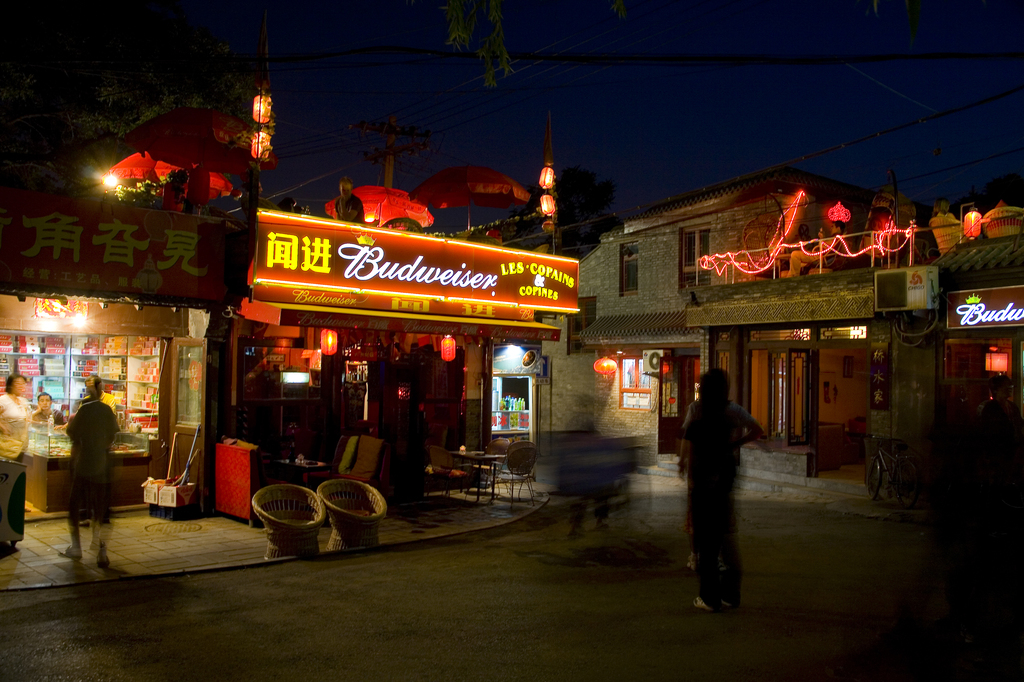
144,546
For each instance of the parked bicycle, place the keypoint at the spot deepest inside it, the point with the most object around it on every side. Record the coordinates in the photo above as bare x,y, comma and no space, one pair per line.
897,468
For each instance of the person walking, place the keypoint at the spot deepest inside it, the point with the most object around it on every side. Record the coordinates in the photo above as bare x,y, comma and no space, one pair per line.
15,413
714,431
91,431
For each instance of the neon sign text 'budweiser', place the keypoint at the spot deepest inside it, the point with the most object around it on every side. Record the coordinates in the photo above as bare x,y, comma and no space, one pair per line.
367,262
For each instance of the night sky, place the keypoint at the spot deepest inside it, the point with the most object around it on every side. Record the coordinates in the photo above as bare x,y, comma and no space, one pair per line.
655,130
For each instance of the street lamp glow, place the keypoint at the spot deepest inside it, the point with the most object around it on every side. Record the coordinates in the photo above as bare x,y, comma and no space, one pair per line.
110,180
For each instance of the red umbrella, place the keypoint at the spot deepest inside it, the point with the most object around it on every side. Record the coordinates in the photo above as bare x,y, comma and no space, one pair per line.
145,167
386,204
198,137
470,184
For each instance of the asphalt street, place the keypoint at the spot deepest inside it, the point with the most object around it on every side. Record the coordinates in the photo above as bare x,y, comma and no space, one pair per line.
827,595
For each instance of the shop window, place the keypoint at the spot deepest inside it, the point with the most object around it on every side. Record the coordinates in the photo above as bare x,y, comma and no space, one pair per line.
695,243
580,321
780,335
634,385
834,333
967,366
629,268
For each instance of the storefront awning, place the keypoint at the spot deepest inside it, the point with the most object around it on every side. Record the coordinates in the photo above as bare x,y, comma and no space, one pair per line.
375,320
643,329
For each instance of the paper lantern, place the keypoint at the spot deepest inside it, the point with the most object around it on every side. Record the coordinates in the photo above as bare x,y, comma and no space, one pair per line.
972,224
997,362
547,204
260,148
261,108
448,348
549,225
547,177
606,366
328,341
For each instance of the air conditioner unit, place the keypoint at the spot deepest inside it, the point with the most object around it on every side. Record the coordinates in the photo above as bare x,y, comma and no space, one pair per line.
652,361
907,289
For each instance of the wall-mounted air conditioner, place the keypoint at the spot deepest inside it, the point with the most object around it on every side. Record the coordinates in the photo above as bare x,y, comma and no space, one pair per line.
652,361
914,288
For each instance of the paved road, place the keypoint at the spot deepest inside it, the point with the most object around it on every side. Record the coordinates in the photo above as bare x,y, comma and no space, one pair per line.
822,597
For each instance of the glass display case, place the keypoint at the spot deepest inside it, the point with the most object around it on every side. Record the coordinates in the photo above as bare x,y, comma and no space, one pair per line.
131,445
48,441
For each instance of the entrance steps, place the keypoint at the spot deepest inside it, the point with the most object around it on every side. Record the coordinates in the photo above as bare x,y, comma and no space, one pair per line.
776,470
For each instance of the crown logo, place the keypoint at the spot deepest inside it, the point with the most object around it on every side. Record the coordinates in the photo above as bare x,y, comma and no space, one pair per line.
366,240
973,298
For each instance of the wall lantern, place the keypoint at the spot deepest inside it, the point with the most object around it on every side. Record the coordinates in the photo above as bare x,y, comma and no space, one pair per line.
261,108
606,366
328,341
547,204
972,222
260,148
447,348
547,177
997,362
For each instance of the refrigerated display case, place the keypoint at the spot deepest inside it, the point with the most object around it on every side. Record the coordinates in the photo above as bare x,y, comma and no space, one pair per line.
512,396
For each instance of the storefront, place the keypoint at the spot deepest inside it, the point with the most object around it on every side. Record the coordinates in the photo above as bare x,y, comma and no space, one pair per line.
410,321
513,391
95,288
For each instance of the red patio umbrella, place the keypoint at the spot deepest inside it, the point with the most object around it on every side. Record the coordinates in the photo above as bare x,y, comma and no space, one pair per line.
198,137
386,204
463,185
145,167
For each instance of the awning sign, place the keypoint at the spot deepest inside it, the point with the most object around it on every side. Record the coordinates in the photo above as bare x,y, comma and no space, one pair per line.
1002,307
310,261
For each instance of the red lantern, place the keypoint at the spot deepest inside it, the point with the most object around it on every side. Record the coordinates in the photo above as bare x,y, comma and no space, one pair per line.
547,177
549,225
606,366
547,204
447,348
328,341
261,108
972,224
260,148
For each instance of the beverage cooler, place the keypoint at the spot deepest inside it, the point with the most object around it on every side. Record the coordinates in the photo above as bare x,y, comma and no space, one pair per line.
512,397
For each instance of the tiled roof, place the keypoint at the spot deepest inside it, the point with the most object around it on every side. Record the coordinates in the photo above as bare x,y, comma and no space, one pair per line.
778,174
642,328
983,254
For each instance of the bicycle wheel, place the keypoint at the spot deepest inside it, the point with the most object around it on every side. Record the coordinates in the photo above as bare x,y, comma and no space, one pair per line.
908,483
874,477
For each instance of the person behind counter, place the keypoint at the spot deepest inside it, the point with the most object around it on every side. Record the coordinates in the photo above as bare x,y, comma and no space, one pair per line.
44,410
15,412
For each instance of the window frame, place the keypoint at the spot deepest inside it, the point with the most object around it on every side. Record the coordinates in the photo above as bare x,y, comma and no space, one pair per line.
572,336
624,257
701,278
640,389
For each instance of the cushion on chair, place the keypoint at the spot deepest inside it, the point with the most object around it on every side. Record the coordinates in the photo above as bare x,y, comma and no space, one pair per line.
348,457
367,458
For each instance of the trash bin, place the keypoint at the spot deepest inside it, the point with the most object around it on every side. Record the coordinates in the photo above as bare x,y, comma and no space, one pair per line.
12,501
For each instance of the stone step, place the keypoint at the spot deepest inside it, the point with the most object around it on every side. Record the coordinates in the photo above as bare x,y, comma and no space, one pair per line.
657,471
764,485
833,485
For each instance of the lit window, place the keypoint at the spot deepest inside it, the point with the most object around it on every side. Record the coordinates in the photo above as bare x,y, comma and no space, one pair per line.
629,264
696,243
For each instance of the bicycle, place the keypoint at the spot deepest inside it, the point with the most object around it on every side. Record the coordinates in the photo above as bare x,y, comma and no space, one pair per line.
899,471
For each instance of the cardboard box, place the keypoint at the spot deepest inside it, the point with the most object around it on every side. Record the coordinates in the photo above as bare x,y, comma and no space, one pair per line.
177,495
151,493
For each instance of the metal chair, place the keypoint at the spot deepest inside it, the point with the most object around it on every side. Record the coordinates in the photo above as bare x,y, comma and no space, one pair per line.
520,460
441,464
498,446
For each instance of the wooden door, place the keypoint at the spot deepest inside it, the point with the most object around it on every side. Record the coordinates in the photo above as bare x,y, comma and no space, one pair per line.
800,390
188,409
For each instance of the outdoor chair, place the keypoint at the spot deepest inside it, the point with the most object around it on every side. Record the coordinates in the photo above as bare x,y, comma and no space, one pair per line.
498,446
292,516
355,510
520,459
441,465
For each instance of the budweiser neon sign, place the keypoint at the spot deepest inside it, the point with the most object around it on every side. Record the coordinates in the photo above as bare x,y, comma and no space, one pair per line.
306,260
985,308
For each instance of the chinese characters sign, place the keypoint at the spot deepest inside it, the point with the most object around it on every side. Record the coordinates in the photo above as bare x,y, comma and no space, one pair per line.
1003,307
83,245
319,262
880,382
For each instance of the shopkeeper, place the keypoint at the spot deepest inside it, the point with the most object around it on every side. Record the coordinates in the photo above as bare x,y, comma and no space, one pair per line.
15,412
44,410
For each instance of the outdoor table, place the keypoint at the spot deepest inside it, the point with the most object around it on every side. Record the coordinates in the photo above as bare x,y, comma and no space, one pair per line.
295,472
479,461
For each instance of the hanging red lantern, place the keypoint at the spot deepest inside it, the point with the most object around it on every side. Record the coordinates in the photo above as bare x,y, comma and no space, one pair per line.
549,226
547,204
972,224
260,148
606,366
328,341
547,177
447,348
261,108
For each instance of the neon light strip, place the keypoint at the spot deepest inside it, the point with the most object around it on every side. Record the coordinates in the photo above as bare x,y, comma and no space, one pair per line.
307,285
481,300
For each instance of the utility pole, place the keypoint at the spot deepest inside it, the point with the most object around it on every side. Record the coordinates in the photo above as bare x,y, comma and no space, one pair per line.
391,131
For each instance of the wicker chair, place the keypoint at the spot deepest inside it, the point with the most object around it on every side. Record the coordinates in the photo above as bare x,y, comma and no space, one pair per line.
292,516
520,459
355,510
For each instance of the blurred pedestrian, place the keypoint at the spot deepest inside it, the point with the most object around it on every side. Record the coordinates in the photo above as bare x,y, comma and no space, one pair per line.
15,413
714,430
347,206
91,431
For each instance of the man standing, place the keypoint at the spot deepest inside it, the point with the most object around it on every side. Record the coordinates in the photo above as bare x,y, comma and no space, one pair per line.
91,432
348,207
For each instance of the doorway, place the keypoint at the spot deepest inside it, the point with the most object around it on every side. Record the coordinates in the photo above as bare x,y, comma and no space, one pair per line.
680,376
780,393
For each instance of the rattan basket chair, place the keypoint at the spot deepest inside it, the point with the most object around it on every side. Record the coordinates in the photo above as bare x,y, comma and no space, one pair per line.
292,516
355,510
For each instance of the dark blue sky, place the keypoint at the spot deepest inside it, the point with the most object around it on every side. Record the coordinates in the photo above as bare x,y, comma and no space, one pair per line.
656,131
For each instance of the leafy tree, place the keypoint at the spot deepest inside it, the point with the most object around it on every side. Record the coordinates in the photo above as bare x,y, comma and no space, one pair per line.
1007,188
581,198
73,81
